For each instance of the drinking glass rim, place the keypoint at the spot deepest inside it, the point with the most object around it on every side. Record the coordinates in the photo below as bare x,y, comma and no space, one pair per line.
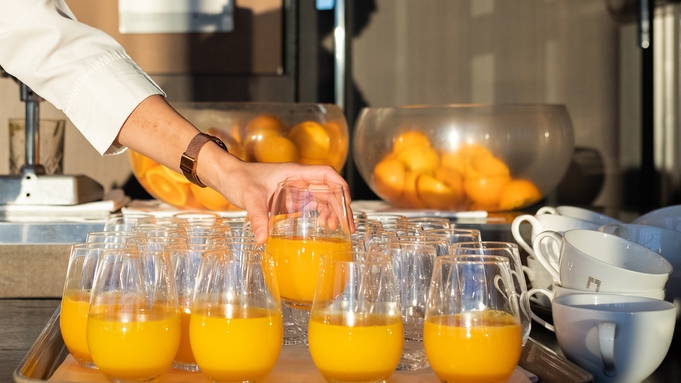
376,258
291,184
482,259
487,245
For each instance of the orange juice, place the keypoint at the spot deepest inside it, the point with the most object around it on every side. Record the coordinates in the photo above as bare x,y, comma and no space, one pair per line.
479,347
133,347
297,264
184,352
234,343
369,350
75,306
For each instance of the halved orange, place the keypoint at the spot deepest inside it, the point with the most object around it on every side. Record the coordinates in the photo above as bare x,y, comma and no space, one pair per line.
162,186
452,178
419,158
210,198
410,196
519,193
388,178
435,194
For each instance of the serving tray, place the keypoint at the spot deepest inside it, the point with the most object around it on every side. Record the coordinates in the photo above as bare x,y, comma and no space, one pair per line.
49,360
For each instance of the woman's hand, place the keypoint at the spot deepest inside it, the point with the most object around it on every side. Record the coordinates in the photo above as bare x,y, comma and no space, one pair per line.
251,185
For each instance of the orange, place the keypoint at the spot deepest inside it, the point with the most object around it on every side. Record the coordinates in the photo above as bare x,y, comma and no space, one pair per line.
519,193
313,161
451,178
339,145
140,163
276,149
230,140
486,165
388,178
175,176
164,187
410,196
460,158
485,191
419,158
257,129
264,122
210,198
435,194
312,140
409,139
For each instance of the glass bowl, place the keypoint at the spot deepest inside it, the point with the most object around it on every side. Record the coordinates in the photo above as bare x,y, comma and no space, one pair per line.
463,157
305,133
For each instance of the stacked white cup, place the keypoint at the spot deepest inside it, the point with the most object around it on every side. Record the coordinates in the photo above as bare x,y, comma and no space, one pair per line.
606,292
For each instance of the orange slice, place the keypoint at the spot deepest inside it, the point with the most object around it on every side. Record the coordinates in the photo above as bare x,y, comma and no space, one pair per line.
518,194
140,163
175,176
210,198
162,186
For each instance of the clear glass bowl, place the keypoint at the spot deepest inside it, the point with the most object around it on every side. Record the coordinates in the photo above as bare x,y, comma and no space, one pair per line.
260,132
463,157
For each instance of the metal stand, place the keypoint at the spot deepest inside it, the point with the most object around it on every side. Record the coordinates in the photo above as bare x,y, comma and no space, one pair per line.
33,186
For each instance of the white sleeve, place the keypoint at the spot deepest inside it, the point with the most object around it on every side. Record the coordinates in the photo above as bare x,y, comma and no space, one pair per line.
79,69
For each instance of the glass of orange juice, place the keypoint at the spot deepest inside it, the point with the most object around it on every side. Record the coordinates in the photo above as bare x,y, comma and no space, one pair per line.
185,261
355,331
307,219
75,304
510,251
236,329
133,328
472,330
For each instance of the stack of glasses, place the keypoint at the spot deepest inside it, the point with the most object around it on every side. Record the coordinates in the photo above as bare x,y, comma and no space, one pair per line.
195,292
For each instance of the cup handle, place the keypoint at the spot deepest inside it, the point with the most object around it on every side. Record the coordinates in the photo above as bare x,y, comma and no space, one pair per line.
525,297
530,273
606,343
547,210
515,230
615,229
541,257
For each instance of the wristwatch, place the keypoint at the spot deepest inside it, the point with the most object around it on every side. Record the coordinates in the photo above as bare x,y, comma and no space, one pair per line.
190,160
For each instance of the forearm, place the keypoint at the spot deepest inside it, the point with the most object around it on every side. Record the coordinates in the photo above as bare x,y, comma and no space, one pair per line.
156,130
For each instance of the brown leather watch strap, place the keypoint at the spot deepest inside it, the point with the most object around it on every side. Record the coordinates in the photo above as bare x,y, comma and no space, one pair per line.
189,159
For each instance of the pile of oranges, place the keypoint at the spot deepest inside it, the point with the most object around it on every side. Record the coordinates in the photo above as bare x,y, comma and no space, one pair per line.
264,138
417,175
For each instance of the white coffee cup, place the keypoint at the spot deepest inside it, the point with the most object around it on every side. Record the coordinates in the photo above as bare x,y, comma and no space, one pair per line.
665,242
543,222
617,338
602,262
578,213
556,290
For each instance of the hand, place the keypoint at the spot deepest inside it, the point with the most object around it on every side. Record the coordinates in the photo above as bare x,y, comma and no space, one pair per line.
251,185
